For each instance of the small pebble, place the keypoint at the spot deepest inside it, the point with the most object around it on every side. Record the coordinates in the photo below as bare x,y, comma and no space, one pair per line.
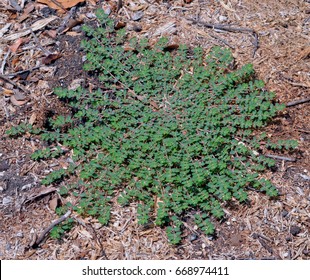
20,234
222,18
90,15
4,165
26,187
107,9
6,200
137,16
97,226
306,252
134,27
295,230
288,239
193,237
305,177
284,213
8,247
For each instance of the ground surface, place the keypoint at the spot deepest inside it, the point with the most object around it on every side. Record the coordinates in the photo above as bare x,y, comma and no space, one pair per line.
264,229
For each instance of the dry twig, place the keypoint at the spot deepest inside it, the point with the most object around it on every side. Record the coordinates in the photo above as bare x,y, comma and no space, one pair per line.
297,102
230,28
94,234
5,78
4,62
281,158
50,227
46,52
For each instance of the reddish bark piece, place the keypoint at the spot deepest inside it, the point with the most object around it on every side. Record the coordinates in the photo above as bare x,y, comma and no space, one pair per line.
60,4
17,102
50,58
17,44
50,33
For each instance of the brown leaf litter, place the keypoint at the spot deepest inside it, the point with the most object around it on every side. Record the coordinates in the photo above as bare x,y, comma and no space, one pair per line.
262,229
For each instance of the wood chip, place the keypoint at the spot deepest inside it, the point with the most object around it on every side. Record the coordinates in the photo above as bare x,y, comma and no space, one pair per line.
34,27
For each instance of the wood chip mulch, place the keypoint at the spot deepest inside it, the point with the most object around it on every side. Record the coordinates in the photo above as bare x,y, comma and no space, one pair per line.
39,50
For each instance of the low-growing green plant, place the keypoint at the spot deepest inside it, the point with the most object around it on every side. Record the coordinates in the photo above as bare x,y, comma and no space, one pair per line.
58,231
171,130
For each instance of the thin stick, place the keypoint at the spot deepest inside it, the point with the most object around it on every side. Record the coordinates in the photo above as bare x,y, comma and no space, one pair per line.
50,227
229,28
4,62
95,235
297,84
3,77
225,27
280,157
302,130
223,41
301,101
46,52
119,5
11,75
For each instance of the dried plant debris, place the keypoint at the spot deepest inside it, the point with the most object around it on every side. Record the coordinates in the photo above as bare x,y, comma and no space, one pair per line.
281,60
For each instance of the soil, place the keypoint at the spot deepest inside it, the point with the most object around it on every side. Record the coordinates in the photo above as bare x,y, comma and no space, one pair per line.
262,229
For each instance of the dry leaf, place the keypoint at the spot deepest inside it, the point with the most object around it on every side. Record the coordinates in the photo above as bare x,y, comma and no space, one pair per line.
154,104
236,239
85,234
50,58
7,92
128,48
17,44
72,23
53,203
19,96
119,25
171,47
34,27
50,33
27,10
75,84
61,4
16,102
73,33
33,118
24,75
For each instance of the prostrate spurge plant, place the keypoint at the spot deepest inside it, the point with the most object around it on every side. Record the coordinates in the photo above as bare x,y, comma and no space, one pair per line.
171,130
